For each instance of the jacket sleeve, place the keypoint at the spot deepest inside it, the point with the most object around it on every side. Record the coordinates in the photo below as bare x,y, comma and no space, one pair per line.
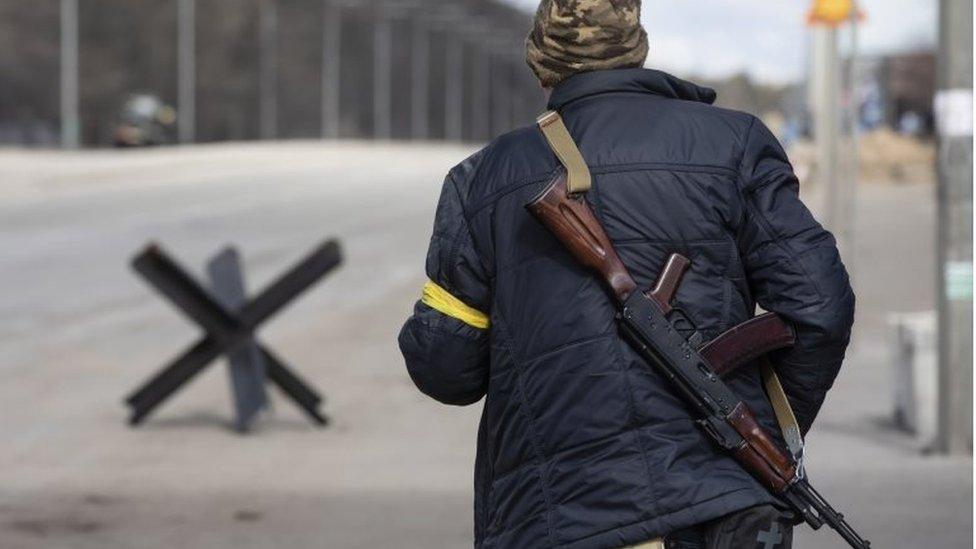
445,341
794,269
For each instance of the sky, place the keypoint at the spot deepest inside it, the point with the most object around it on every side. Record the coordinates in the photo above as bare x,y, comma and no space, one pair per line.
767,39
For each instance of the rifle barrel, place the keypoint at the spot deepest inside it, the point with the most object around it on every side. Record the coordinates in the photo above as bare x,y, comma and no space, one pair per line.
828,515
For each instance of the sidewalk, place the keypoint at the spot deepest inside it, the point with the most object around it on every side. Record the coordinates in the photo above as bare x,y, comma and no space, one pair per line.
876,475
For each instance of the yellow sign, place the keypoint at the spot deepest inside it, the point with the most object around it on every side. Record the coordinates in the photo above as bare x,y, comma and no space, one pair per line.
832,12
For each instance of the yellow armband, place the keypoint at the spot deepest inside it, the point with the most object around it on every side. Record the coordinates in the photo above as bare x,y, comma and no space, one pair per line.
439,299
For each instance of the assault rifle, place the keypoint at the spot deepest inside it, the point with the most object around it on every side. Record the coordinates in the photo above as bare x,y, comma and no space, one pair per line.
665,344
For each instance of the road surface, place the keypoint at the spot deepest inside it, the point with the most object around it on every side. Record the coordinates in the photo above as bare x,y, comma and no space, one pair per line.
78,331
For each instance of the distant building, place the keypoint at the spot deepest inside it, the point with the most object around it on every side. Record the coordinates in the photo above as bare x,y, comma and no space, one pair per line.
897,91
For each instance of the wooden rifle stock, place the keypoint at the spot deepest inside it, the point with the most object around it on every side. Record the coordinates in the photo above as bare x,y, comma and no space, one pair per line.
570,218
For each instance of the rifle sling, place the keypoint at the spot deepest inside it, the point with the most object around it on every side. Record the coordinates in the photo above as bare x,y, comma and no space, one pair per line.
577,172
578,180
781,407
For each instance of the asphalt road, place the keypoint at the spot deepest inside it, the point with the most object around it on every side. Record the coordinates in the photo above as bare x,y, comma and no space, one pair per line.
78,331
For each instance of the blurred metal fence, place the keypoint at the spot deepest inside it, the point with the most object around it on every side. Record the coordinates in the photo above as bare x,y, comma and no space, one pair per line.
250,69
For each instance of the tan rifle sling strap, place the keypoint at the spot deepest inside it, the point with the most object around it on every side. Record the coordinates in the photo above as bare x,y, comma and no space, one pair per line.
578,180
781,407
561,143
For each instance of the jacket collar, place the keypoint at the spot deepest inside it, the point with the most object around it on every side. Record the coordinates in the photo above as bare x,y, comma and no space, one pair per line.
660,83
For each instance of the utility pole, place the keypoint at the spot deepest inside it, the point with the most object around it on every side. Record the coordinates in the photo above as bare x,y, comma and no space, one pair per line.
481,96
331,73
449,19
826,116
825,17
419,78
268,69
454,88
479,35
186,69
501,91
853,175
954,118
382,67
70,123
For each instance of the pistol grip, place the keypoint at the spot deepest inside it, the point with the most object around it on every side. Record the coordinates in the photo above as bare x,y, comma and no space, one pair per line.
668,281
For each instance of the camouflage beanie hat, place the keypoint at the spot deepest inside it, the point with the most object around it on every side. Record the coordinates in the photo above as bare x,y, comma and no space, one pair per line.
571,36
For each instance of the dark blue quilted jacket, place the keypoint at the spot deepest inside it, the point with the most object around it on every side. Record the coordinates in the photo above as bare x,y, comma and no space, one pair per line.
582,445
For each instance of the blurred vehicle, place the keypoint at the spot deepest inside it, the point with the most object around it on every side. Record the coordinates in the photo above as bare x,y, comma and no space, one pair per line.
144,120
